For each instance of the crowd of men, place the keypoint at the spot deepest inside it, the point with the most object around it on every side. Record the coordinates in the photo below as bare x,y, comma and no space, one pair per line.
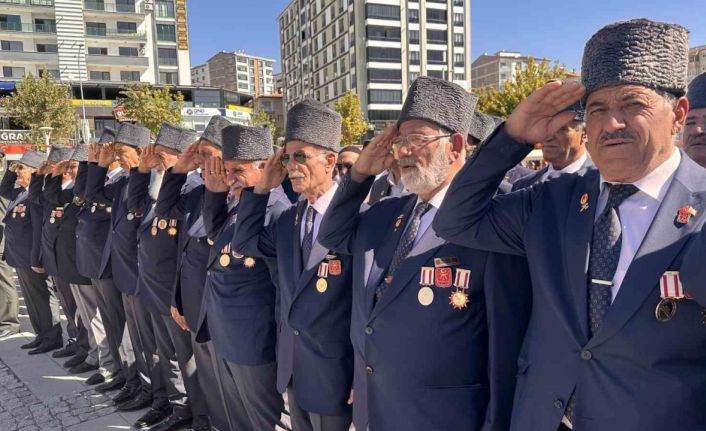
408,286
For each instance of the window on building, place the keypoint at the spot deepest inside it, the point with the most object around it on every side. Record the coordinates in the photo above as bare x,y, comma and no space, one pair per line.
127,51
94,75
391,55
458,2
44,25
102,123
459,76
381,11
125,6
384,96
47,47
167,56
458,39
164,9
53,73
11,45
376,32
458,18
436,16
441,74
13,72
127,27
166,33
95,28
413,57
383,115
243,85
459,59
436,36
10,22
127,75
413,15
414,37
94,50
436,57
385,75
168,78
242,77
412,76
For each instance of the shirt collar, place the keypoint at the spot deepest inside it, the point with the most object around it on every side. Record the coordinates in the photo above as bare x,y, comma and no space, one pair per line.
656,183
438,198
115,172
67,184
322,203
571,167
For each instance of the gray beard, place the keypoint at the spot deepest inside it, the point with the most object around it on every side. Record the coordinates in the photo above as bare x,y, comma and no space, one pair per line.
423,180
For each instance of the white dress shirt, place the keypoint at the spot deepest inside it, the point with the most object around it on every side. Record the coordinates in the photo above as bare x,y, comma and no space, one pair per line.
113,175
638,211
320,206
569,169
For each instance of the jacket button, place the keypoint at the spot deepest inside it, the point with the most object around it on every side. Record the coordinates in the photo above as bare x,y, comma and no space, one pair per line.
559,404
586,355
369,369
296,332
368,330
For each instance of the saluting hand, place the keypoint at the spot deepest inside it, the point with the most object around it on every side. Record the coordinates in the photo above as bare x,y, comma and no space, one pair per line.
540,115
59,168
376,157
43,168
148,160
186,162
272,174
94,151
214,175
107,155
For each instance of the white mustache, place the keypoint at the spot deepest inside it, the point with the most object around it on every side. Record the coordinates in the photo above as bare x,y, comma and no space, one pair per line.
407,162
295,176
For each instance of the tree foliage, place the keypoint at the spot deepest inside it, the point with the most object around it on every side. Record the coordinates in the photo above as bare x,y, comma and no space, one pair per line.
263,118
39,102
151,107
353,125
502,101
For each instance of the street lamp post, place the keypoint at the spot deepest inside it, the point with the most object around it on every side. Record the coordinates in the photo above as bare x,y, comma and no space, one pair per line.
84,125
46,131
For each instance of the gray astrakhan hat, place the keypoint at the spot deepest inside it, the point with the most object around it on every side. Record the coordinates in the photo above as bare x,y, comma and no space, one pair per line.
60,153
174,137
80,153
246,143
214,130
638,52
107,137
133,135
441,102
697,92
314,123
482,125
33,159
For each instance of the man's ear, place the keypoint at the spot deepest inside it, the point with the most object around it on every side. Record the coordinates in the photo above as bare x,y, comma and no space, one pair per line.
681,109
458,143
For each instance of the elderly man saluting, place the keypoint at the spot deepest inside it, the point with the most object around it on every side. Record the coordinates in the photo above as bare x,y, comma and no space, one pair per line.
613,342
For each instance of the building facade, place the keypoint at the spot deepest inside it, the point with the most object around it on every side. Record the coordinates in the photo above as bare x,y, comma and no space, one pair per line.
697,61
274,107
96,40
237,71
492,70
374,47
200,76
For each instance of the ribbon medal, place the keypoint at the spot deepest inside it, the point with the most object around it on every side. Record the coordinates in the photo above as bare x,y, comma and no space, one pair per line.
321,283
224,260
172,231
425,296
459,298
334,267
154,226
671,290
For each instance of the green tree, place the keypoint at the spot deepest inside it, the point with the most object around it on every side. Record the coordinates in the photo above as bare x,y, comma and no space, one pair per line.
151,107
262,118
502,101
39,102
353,125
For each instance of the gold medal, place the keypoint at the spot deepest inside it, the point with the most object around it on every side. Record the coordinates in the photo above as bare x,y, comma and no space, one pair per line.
425,296
108,209
172,231
210,241
249,262
321,285
224,260
131,216
22,214
93,208
154,230
52,220
398,222
666,309
459,299
162,224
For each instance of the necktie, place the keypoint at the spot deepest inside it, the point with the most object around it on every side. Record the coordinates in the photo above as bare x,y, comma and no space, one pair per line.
308,242
605,253
404,247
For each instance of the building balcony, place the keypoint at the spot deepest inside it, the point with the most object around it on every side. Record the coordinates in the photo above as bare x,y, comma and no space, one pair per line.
114,34
30,57
90,7
117,60
27,3
27,28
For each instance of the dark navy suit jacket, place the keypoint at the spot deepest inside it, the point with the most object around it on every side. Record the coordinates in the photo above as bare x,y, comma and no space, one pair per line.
239,305
313,347
426,367
536,176
635,373
19,231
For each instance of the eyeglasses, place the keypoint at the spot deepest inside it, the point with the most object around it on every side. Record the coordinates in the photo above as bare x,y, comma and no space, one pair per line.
415,141
299,156
342,166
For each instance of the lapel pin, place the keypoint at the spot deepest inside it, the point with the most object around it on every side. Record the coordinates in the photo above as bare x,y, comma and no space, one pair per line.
584,202
398,222
684,214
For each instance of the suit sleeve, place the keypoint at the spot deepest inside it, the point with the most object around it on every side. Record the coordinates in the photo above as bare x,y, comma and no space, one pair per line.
214,211
339,225
36,214
693,271
138,198
252,237
36,185
472,215
7,186
79,188
52,191
171,204
508,298
96,191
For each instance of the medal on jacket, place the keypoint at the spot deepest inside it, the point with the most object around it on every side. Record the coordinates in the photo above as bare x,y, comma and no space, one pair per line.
684,214
162,224
225,256
459,298
584,202
108,209
321,283
153,231
52,218
210,241
425,296
130,216
671,290
93,207
172,231
398,222
249,262
59,212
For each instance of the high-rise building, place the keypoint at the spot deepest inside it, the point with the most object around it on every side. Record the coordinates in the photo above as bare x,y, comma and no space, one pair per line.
697,61
373,47
237,71
96,40
279,83
492,70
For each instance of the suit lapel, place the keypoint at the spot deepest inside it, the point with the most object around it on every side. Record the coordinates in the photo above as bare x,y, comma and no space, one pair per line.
579,226
409,268
663,241
296,238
